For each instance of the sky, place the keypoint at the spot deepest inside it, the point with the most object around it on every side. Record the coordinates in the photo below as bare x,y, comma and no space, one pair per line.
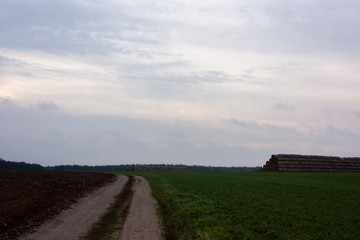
216,83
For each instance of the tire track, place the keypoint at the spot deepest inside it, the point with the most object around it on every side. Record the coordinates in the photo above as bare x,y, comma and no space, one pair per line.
142,222
128,200
76,221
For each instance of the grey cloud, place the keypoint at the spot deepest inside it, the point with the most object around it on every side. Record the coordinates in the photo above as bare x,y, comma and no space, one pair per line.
151,54
153,76
283,106
48,106
194,77
64,27
303,27
292,134
84,27
327,140
334,140
316,26
5,101
332,111
151,68
338,132
57,137
5,61
255,126
51,138
165,84
245,124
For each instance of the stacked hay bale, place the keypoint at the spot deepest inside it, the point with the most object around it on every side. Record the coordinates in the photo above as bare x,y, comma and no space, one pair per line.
310,163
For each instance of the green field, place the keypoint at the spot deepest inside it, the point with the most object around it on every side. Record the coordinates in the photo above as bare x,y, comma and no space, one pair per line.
258,205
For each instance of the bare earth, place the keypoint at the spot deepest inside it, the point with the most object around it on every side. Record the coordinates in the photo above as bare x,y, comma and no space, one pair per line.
76,221
141,222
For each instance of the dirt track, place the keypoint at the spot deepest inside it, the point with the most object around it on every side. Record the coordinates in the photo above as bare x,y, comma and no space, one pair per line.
76,221
141,222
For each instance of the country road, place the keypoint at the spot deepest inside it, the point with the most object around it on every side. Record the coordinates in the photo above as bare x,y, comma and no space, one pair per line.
141,222
75,222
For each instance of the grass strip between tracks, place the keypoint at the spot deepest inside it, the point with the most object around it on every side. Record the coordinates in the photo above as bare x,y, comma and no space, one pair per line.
113,219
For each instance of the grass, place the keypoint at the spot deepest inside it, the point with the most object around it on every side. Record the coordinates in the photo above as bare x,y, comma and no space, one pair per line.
113,219
258,205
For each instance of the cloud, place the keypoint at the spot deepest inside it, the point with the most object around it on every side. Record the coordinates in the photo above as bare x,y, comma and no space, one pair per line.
283,106
68,27
255,126
323,140
59,137
5,101
338,132
48,106
145,29
312,26
4,60
99,80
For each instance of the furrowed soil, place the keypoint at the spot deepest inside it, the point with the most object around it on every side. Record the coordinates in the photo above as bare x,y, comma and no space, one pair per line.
29,198
76,221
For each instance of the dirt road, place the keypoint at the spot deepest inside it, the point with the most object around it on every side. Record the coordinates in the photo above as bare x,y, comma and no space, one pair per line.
141,222
76,221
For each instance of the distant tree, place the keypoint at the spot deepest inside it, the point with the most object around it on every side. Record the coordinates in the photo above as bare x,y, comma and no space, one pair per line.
9,165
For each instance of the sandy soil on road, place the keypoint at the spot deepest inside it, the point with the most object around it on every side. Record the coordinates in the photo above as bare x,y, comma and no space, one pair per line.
141,222
76,221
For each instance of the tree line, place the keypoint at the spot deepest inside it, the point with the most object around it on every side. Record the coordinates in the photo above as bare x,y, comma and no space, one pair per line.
10,165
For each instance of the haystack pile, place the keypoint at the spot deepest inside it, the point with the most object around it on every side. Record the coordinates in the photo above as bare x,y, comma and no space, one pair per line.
310,163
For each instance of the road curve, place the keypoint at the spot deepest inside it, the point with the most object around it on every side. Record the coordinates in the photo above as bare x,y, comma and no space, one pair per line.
75,222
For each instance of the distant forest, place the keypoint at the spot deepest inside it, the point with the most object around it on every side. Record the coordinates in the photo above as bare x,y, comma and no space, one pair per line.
9,165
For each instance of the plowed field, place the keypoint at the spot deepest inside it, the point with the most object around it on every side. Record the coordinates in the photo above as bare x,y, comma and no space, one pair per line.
28,198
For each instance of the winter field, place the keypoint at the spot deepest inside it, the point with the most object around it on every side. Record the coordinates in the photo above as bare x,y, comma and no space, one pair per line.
258,205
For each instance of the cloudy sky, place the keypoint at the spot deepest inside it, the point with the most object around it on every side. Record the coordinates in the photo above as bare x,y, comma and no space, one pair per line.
222,83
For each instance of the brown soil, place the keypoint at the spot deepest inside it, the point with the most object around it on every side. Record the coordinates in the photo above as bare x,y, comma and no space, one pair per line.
28,198
39,188
75,222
